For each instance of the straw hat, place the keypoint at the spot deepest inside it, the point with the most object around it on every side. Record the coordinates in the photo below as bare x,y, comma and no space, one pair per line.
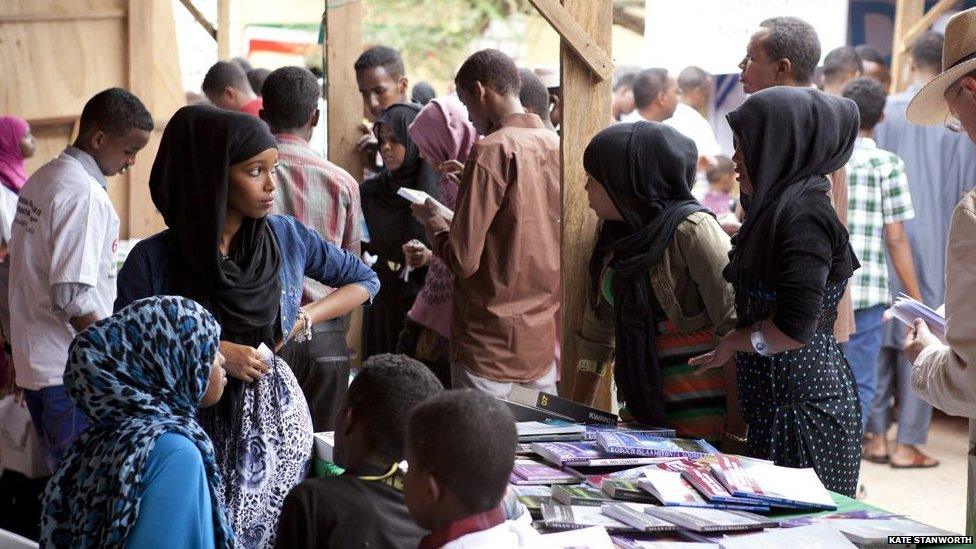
958,59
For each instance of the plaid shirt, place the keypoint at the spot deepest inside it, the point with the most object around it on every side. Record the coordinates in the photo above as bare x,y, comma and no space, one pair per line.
878,195
321,195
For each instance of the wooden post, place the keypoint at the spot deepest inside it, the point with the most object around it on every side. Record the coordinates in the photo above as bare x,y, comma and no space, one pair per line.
907,14
223,29
343,24
140,78
585,110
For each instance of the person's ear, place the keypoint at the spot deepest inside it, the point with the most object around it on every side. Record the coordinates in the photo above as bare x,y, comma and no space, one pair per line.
230,94
314,120
97,140
480,91
432,488
403,84
784,68
969,83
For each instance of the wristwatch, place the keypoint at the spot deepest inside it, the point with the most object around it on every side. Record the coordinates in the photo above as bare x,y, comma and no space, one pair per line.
759,342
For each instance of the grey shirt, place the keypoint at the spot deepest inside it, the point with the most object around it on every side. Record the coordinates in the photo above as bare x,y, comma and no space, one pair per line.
941,168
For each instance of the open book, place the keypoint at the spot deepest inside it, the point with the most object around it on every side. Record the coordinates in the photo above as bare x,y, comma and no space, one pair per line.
420,197
907,310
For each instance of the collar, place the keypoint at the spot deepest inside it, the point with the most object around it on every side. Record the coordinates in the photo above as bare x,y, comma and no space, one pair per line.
462,527
865,143
291,139
519,120
88,162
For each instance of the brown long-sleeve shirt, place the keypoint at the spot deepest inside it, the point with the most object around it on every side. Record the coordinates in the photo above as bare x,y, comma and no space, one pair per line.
503,245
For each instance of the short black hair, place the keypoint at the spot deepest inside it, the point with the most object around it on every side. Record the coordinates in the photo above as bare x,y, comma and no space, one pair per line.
626,80
493,69
844,59
648,84
422,93
224,74
256,78
466,440
723,166
869,97
533,93
383,395
381,56
116,112
291,95
868,53
244,64
794,39
693,77
927,51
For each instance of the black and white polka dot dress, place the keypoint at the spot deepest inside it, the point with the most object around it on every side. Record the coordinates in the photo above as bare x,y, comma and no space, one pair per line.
802,406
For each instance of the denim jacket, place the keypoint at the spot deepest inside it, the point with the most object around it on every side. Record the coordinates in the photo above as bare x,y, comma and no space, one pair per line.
303,253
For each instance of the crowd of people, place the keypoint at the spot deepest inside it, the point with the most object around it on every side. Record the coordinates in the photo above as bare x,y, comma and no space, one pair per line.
737,299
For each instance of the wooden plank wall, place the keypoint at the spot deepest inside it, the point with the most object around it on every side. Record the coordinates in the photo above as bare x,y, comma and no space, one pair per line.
57,53
586,110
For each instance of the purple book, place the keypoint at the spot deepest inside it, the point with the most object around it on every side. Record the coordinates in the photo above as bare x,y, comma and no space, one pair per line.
631,443
527,471
575,454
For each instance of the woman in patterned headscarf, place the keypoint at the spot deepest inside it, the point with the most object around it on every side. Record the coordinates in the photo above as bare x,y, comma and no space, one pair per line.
144,473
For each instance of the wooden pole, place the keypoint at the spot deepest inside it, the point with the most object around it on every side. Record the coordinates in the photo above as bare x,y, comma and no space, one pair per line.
907,14
223,29
925,22
140,61
585,110
198,15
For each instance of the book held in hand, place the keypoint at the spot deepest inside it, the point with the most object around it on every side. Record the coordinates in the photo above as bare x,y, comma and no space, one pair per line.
632,514
634,443
711,520
906,310
420,197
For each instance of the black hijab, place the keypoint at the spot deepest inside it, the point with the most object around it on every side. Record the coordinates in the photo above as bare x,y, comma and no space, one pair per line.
648,170
388,216
792,138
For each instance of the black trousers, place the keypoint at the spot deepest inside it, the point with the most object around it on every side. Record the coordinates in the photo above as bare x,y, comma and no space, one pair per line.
322,369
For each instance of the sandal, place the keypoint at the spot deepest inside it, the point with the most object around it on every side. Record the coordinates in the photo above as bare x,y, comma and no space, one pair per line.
920,461
875,458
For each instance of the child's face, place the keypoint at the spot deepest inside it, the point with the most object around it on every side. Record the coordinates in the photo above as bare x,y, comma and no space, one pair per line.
600,201
416,492
114,154
392,151
380,90
251,188
28,145
474,100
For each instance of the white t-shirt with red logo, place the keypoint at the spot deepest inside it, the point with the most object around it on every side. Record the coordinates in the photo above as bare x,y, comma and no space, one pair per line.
65,232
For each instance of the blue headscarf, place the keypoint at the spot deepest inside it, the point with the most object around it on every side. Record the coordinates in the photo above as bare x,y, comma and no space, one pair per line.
136,375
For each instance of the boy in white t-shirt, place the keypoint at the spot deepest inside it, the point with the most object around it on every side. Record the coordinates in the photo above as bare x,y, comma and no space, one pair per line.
63,239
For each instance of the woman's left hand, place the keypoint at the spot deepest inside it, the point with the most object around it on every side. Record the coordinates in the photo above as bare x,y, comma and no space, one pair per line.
714,359
296,329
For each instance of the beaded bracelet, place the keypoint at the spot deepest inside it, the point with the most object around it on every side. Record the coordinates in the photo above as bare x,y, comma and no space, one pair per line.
306,333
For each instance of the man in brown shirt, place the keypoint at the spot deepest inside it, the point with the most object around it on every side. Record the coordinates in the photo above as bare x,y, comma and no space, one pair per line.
503,243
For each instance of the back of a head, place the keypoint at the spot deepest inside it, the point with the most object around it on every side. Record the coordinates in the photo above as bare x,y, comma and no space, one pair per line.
244,64
625,81
291,95
927,52
722,168
116,112
869,97
794,39
384,394
256,78
381,56
493,69
869,54
533,94
841,62
422,93
648,84
692,78
466,440
224,74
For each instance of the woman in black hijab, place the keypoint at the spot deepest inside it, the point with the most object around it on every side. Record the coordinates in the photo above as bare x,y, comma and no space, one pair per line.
657,264
390,225
790,263
213,181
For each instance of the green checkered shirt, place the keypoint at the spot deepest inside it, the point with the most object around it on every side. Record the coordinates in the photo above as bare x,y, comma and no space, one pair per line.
878,194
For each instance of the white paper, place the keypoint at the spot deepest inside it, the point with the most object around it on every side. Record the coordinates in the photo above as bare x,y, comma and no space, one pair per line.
267,356
906,310
420,197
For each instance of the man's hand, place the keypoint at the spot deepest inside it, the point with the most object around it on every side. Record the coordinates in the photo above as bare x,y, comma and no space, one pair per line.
416,254
368,140
430,217
918,339
243,362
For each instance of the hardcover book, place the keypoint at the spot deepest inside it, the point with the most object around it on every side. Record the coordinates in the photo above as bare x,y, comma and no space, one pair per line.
636,443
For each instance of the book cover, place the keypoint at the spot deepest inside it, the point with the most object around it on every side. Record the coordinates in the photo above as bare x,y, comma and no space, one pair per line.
561,406
631,443
578,495
780,486
672,490
701,479
584,454
527,471
556,516
593,430
626,490
711,520
524,412
632,514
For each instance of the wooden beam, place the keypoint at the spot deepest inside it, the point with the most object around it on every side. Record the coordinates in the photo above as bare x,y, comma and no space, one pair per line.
907,14
623,18
141,37
574,35
925,22
198,15
67,17
223,29
585,111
